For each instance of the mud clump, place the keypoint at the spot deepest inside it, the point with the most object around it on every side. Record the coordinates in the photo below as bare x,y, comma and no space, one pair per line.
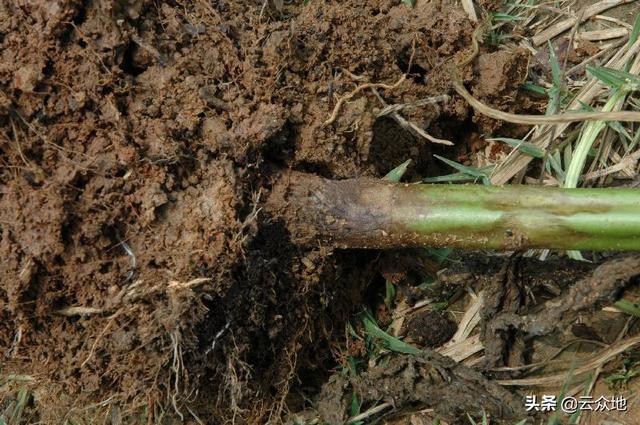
139,142
499,77
430,328
452,390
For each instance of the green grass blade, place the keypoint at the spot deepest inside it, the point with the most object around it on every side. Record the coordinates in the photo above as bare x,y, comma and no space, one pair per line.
524,147
556,164
614,125
556,72
505,17
592,130
23,396
396,174
451,178
615,78
628,307
390,294
355,405
472,171
635,32
534,88
390,342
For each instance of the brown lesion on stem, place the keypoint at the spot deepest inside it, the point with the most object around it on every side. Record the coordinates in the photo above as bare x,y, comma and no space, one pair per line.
341,213
358,213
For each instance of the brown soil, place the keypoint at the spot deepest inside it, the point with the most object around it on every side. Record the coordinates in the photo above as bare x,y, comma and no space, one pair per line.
139,142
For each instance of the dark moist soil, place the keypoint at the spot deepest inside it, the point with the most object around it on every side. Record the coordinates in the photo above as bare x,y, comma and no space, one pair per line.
139,141
432,381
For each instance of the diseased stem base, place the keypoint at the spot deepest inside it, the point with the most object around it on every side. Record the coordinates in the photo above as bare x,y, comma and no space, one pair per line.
370,213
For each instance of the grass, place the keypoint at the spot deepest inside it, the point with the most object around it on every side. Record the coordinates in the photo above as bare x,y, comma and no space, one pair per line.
355,409
396,174
622,84
14,411
522,146
388,342
477,174
620,378
485,420
628,307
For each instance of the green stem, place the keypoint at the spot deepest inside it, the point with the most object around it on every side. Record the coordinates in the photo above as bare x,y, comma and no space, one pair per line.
368,213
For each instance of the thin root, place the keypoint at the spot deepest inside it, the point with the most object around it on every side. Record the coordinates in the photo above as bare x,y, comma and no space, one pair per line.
365,86
626,116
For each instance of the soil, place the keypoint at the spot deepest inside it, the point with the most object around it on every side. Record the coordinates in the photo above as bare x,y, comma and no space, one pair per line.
451,389
430,329
139,143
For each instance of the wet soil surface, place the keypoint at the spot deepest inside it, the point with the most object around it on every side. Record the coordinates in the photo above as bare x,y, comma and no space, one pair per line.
139,141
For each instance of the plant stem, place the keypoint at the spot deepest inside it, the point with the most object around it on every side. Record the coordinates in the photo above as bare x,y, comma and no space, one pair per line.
369,213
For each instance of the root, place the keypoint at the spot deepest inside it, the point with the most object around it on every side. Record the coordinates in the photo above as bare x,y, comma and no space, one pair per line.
237,373
625,116
176,366
112,319
343,99
372,86
392,110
